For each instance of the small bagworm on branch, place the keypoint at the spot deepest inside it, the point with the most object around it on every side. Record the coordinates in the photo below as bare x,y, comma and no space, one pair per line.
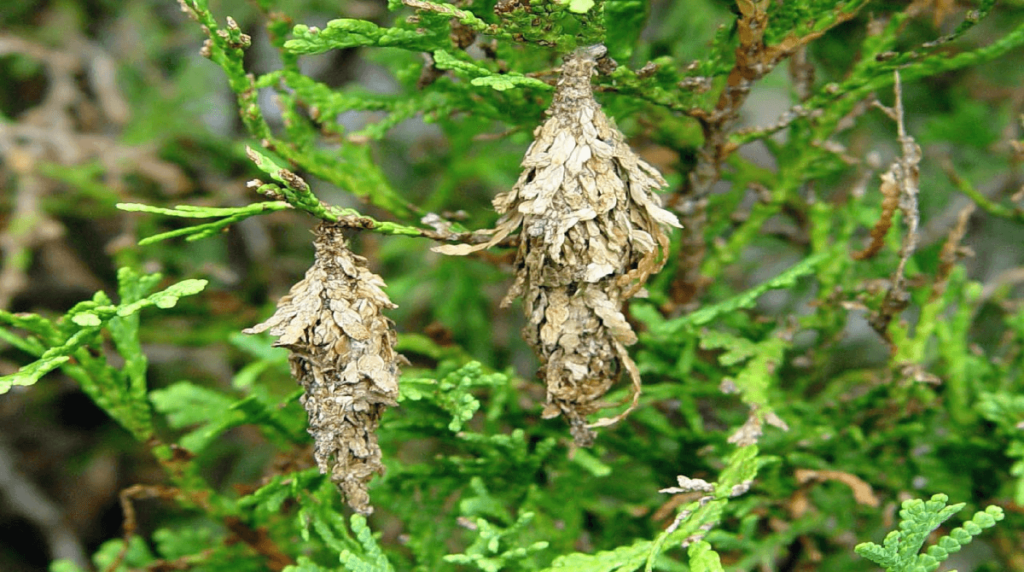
341,349
592,232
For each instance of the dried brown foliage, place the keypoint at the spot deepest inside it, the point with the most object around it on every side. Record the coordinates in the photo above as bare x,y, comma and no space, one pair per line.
591,233
952,252
801,503
899,182
890,204
342,352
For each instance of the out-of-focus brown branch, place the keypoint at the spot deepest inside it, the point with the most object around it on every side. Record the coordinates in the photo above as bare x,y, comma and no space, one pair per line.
257,539
952,251
26,499
75,122
130,524
754,60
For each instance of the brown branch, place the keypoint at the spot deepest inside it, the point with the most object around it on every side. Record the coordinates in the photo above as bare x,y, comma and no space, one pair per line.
903,174
754,60
68,125
257,539
130,524
260,541
952,251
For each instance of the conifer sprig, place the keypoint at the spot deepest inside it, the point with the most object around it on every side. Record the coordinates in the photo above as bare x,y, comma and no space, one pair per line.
900,551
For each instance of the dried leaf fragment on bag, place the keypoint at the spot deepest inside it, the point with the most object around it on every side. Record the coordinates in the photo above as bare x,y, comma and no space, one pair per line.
591,233
342,352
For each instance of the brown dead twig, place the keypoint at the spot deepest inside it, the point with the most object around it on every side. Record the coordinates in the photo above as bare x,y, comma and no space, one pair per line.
952,252
257,539
754,60
799,503
130,524
900,188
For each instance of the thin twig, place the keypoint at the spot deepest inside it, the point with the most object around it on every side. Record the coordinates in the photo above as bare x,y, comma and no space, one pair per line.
902,178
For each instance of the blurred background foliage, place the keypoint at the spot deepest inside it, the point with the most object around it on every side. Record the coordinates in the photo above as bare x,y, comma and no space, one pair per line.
108,102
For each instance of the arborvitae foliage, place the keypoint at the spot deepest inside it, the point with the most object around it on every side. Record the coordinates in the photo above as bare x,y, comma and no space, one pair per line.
899,550
762,260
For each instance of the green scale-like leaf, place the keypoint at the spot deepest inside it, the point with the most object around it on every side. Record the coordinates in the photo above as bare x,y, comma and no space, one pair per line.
370,558
484,77
900,551
81,325
452,392
346,33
